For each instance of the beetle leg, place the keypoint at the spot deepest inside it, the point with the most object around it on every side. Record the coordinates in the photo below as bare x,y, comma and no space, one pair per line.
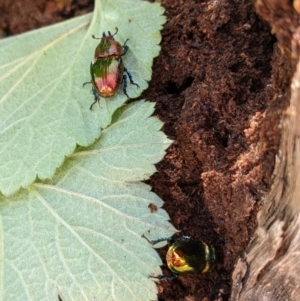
184,238
154,242
125,85
165,278
125,48
130,78
96,96
86,83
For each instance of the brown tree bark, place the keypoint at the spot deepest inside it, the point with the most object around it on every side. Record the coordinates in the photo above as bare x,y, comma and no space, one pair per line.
269,269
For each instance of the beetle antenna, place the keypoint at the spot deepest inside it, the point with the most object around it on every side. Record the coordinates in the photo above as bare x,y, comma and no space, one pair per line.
104,35
94,37
116,28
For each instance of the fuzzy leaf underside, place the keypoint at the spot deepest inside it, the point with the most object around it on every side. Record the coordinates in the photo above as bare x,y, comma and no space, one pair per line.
44,109
79,235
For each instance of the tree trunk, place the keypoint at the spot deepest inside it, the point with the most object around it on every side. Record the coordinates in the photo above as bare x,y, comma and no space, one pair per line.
270,269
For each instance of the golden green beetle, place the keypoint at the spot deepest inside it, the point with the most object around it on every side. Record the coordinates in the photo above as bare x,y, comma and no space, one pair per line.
188,256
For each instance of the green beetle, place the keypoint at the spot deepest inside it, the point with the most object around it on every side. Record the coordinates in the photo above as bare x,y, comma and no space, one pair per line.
107,68
187,256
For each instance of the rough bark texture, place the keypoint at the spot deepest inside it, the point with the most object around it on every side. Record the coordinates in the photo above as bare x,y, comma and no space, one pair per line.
269,270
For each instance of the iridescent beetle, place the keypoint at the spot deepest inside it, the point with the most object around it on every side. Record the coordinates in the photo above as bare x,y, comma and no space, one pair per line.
107,68
187,256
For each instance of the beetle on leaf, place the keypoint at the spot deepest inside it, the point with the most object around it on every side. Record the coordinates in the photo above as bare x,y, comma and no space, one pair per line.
107,68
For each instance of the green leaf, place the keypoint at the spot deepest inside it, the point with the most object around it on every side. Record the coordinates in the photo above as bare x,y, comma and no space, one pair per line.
79,235
44,110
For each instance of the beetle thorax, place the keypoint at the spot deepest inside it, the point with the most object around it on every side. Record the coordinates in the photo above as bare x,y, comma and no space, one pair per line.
108,47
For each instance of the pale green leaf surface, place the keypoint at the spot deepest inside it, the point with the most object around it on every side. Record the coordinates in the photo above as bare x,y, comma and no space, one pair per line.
79,235
44,110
